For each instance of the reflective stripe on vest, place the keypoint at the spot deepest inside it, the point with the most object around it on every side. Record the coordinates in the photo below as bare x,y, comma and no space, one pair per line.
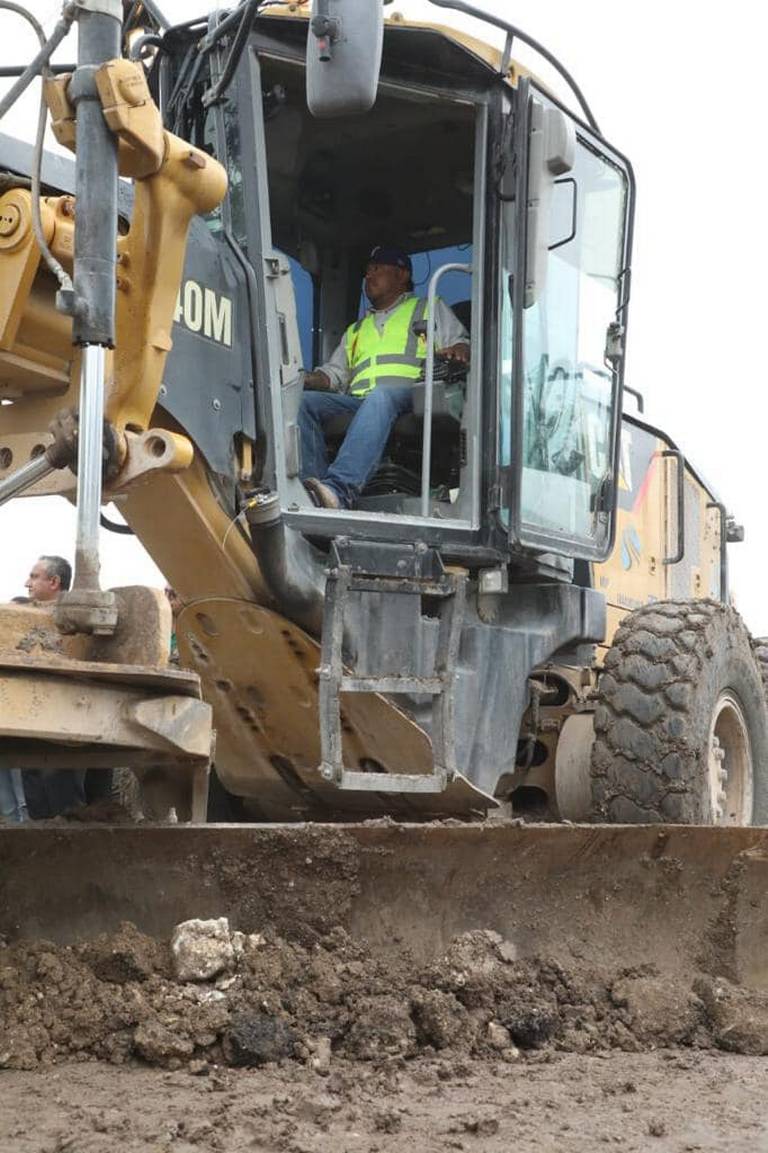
394,356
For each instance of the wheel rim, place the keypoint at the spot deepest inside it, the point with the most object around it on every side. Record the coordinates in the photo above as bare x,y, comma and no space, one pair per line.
730,764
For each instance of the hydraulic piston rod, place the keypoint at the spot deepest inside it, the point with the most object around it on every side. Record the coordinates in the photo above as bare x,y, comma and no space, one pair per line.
25,477
89,464
86,607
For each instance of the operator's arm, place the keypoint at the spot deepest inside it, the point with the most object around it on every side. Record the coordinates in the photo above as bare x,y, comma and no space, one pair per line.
334,375
451,336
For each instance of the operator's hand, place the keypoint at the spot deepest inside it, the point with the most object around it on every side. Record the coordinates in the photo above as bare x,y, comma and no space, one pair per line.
316,382
458,352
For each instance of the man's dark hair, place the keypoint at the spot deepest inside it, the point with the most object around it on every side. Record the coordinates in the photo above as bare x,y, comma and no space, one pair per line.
57,566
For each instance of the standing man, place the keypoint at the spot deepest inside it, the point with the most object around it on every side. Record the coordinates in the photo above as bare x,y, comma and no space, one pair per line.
13,803
371,374
50,792
174,600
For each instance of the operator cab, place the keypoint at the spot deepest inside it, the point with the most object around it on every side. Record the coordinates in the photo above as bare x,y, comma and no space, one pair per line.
459,167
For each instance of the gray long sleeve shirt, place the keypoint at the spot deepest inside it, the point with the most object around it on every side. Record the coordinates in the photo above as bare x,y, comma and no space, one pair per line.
448,330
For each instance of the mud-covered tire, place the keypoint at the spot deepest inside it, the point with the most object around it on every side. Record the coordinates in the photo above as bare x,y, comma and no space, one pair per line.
679,674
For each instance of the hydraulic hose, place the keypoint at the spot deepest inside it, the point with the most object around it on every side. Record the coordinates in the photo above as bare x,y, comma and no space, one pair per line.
40,66
48,47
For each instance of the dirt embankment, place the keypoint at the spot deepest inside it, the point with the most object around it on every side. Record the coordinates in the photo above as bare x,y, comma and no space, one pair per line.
263,999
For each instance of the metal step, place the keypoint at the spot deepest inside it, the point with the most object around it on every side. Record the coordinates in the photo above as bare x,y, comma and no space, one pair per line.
411,577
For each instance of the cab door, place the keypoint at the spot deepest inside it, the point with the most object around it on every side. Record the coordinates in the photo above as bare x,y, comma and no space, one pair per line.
566,233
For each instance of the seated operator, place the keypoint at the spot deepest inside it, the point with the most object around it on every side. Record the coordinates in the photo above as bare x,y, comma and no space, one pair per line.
371,374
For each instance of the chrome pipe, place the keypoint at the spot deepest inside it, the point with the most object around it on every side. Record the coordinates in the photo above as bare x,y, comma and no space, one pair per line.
429,380
90,447
25,477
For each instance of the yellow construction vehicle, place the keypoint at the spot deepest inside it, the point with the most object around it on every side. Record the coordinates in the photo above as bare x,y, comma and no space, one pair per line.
528,603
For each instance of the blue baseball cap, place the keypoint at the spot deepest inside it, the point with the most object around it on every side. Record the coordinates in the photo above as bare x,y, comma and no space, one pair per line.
384,254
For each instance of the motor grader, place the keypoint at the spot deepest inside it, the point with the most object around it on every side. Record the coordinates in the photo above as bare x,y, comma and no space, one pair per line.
527,610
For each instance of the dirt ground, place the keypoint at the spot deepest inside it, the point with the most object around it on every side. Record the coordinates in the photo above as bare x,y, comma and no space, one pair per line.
667,1101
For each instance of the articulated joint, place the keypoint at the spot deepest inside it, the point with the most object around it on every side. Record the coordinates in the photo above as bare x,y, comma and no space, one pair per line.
62,453
87,610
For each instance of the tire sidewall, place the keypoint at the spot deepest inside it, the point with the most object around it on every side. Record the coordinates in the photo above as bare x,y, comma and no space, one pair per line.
731,668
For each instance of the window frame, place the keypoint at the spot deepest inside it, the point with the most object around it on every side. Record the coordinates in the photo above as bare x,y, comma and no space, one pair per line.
521,534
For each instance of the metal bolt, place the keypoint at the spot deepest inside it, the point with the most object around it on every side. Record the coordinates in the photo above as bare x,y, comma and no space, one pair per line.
216,404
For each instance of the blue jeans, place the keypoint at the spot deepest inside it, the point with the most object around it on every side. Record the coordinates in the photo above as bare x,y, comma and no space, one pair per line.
365,441
13,805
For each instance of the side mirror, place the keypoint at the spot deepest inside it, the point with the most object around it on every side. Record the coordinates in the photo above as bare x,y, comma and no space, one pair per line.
551,153
344,56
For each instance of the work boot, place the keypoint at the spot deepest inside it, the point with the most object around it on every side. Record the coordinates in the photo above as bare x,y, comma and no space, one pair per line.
322,494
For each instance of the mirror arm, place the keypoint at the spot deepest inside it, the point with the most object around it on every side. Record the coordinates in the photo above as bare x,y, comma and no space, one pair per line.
325,30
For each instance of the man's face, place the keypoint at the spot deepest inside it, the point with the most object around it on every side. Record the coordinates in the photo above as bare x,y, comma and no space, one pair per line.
384,282
40,585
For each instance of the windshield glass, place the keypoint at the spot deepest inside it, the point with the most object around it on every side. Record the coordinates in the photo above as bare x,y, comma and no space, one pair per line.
567,411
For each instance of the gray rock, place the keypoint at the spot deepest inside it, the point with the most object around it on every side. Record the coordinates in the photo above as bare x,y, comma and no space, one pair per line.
440,1018
157,1043
738,1017
382,1028
659,1010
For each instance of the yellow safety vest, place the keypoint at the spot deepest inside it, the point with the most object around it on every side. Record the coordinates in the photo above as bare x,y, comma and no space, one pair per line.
393,356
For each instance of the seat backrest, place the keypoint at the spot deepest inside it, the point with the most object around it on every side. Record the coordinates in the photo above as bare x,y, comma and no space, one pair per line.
463,311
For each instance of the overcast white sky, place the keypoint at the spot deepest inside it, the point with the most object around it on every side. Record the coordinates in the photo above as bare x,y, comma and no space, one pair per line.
682,94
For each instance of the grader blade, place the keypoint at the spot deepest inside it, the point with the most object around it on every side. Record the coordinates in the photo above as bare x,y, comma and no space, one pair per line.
680,898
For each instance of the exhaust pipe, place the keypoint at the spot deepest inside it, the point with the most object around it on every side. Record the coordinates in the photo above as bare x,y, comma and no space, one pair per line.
290,570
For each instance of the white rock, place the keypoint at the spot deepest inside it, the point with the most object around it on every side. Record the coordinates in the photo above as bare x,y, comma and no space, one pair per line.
243,943
507,950
202,949
320,1055
498,1036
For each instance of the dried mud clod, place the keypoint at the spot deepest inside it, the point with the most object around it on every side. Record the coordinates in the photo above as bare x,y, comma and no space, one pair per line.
126,997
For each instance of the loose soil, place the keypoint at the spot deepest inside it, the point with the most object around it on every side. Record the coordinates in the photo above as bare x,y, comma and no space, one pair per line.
320,1045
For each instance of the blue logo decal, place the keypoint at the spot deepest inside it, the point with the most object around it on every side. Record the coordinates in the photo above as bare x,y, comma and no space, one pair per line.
631,547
